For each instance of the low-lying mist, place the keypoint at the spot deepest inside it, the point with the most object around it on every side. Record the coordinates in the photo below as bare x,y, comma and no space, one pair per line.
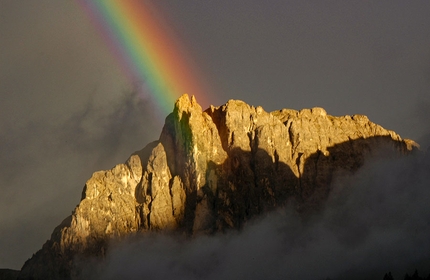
375,221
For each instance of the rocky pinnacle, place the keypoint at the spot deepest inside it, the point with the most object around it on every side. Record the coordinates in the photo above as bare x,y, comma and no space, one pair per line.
211,171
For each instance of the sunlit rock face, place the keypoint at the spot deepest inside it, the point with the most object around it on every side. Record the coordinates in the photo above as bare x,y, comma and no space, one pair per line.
211,171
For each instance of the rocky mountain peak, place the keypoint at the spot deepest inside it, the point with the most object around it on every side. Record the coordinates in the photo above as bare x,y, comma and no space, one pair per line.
211,171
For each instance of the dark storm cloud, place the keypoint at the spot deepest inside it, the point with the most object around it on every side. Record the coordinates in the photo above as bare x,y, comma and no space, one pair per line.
374,222
66,110
56,159
349,57
130,124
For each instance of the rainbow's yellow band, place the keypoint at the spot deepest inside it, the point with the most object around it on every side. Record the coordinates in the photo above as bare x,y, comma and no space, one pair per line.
146,51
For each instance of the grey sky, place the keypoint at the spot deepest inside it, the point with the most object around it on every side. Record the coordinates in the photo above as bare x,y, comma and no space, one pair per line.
66,110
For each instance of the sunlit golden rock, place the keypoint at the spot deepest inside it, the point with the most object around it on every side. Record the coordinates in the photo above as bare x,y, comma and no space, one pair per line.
211,171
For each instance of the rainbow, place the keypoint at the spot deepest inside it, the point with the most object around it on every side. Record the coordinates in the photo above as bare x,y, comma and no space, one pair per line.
145,48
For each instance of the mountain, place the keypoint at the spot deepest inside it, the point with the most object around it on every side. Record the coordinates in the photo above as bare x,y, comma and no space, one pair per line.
212,171
8,274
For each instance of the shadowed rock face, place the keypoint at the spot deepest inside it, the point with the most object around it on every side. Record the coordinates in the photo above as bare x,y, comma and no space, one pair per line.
8,274
211,171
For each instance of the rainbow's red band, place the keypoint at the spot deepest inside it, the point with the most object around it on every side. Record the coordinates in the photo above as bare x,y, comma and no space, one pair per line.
145,49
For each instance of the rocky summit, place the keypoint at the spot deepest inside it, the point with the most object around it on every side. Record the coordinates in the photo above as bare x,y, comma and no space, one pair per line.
211,171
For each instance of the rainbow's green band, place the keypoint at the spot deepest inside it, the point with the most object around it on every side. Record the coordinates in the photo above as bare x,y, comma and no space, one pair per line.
145,50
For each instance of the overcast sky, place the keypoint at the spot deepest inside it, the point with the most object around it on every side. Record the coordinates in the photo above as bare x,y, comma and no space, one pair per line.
66,109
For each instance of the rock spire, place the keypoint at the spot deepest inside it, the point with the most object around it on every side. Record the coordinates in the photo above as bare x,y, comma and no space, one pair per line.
211,171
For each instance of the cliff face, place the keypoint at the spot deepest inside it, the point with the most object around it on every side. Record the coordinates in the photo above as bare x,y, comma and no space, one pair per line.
213,170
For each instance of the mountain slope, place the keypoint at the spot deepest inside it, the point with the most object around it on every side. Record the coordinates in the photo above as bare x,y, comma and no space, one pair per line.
211,171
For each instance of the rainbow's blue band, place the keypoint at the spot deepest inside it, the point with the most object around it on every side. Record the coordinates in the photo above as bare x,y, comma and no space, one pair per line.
145,49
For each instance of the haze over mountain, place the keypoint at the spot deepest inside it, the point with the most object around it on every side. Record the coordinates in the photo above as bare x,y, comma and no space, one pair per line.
236,192
67,110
